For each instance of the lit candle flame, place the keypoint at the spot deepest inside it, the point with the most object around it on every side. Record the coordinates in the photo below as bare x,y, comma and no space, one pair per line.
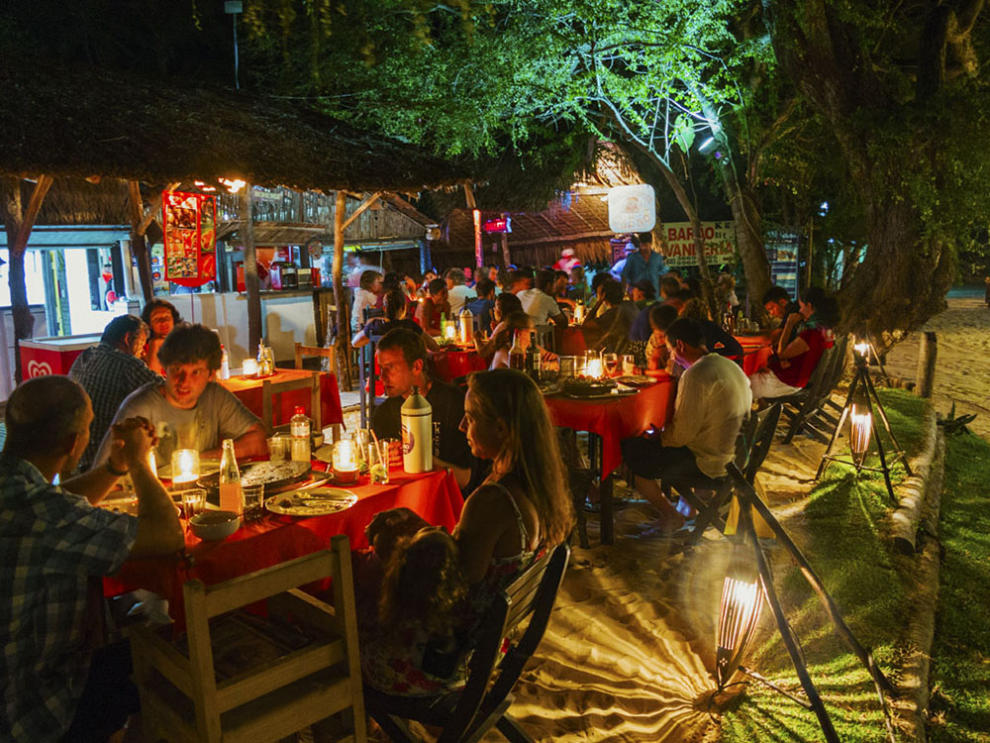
185,465
862,348
593,368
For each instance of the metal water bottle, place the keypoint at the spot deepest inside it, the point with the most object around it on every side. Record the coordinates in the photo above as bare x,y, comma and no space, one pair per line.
417,433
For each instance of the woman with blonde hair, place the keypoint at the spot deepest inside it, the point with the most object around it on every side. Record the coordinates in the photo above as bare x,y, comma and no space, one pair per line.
521,510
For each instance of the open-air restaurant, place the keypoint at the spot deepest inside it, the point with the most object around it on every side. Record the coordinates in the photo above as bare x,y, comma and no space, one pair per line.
315,426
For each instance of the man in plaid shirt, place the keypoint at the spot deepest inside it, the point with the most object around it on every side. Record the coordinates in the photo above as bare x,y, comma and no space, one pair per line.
55,545
109,372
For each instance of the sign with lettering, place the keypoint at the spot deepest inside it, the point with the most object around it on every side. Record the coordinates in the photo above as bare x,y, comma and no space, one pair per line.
632,208
679,248
189,221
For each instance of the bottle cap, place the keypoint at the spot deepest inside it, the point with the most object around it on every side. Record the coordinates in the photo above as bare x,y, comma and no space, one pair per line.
300,410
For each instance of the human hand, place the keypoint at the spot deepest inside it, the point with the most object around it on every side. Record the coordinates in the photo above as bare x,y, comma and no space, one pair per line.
548,356
131,441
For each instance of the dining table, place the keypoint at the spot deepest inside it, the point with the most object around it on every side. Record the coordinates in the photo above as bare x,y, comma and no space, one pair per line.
757,350
453,362
248,389
273,538
608,420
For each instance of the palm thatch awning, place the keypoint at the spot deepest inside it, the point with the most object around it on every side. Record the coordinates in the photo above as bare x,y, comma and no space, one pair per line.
97,123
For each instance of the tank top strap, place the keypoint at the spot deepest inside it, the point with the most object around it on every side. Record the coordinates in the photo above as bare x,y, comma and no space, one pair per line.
523,536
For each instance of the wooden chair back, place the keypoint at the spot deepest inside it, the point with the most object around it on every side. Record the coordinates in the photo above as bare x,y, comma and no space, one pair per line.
269,389
329,353
238,676
762,438
484,701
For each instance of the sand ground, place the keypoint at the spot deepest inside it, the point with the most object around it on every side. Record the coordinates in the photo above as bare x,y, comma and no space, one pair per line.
629,652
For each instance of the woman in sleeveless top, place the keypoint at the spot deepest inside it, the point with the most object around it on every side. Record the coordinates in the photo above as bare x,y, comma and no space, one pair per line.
521,510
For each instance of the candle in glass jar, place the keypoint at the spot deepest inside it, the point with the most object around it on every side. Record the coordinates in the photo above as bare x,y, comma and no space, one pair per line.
185,465
450,332
593,368
345,461
250,367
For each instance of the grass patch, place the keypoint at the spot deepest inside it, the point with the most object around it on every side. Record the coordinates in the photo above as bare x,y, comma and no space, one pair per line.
960,675
840,534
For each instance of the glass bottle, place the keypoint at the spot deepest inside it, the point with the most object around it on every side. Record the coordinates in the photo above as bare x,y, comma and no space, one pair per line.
299,428
231,495
517,354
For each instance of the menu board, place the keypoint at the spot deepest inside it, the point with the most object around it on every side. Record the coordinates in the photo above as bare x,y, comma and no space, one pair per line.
189,221
782,254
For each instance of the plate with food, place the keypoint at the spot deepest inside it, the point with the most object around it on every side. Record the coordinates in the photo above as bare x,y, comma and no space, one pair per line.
588,387
636,380
273,475
311,502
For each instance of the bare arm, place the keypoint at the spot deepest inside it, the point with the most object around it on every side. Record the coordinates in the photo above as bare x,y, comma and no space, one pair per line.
431,342
797,346
359,339
461,474
482,524
251,443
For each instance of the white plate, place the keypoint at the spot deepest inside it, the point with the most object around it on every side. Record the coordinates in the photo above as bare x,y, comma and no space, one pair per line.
312,502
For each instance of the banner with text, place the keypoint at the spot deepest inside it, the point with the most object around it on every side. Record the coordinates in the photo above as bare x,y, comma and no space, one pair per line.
678,242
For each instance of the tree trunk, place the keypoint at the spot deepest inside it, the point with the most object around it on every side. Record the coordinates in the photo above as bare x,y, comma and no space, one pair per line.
18,224
251,281
749,242
339,298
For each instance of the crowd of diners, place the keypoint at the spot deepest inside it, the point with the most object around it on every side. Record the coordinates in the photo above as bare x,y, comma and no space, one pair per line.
151,385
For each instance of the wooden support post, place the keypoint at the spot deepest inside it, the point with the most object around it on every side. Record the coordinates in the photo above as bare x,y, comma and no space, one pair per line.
506,258
141,219
479,251
251,281
927,355
18,223
339,299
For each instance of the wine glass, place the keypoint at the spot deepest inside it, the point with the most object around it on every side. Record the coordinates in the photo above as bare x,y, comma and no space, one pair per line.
629,364
611,362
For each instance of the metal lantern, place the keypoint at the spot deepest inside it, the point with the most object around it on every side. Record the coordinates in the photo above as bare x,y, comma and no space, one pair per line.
739,612
860,427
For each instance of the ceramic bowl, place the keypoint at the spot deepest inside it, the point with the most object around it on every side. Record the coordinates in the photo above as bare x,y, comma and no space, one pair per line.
214,525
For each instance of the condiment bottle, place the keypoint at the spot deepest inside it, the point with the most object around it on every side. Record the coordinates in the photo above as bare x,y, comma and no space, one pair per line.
417,433
299,428
466,321
224,363
231,495
517,354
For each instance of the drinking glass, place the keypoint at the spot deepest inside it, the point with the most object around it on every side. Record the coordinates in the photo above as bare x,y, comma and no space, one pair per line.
568,367
192,501
254,501
278,448
378,466
394,449
629,364
611,363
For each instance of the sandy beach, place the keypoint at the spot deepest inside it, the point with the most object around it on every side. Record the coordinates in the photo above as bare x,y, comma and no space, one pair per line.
629,652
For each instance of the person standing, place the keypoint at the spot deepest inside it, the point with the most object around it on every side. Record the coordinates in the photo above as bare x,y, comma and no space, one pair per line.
160,316
643,263
109,372
365,296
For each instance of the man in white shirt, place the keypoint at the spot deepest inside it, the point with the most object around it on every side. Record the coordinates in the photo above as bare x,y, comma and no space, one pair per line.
457,292
713,399
538,304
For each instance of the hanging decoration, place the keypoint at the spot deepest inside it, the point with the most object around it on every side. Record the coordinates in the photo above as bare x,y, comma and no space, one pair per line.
190,237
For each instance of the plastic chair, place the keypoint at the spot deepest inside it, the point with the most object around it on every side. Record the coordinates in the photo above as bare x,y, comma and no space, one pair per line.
469,713
236,676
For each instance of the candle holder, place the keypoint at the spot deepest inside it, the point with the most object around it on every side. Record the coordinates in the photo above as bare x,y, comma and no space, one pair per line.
593,365
345,462
185,466
249,368
862,408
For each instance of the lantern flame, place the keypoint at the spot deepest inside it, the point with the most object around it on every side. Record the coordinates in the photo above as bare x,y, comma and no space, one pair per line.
593,368
860,427
185,465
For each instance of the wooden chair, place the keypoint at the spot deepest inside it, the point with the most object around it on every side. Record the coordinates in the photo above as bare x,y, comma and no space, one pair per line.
239,677
329,353
468,714
269,389
806,410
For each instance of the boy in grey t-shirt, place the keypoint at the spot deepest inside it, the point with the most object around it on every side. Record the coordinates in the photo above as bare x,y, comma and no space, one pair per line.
188,409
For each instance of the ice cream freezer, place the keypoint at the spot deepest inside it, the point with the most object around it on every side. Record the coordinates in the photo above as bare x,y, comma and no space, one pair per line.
41,356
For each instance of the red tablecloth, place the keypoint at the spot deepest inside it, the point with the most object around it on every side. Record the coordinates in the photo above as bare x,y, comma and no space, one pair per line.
248,391
757,350
275,539
450,364
618,419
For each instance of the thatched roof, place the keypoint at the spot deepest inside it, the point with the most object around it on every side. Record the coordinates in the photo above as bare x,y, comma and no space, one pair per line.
578,220
85,123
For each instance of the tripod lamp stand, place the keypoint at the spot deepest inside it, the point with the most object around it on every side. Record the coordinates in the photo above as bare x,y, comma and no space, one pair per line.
747,583
862,408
